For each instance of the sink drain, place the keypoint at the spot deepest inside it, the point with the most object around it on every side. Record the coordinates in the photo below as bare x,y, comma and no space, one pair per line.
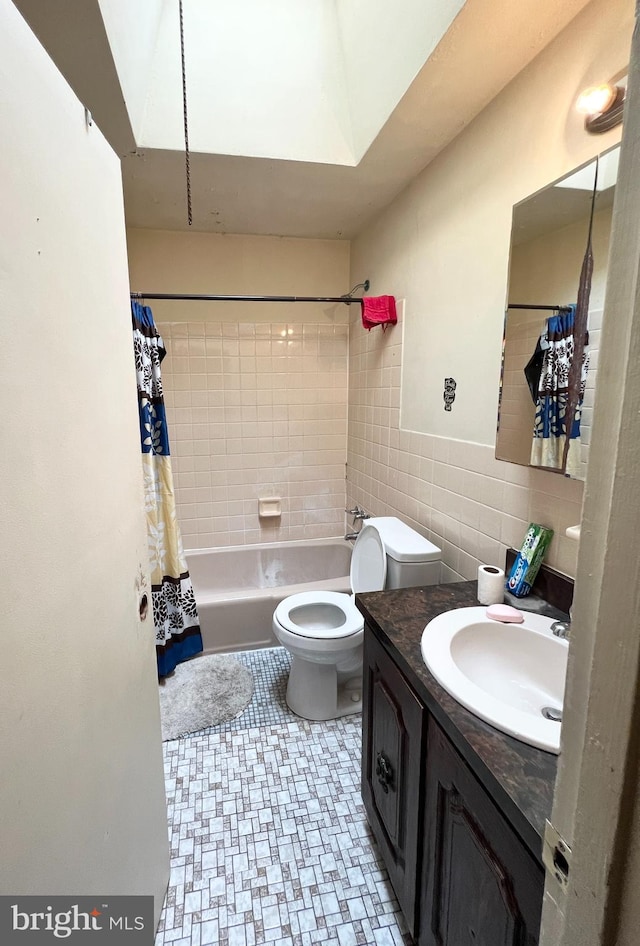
551,712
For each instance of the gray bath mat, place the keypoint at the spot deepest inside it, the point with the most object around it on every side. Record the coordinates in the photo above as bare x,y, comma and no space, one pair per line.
203,692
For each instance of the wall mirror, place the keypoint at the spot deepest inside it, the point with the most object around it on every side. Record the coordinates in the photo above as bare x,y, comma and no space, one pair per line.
548,241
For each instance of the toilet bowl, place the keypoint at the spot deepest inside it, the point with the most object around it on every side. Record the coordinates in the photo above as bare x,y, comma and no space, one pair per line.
324,630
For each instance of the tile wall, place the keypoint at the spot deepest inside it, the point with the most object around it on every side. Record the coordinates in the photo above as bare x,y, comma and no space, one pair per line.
256,410
454,492
261,409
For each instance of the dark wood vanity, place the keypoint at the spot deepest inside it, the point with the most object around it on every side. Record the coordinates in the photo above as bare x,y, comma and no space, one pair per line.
457,807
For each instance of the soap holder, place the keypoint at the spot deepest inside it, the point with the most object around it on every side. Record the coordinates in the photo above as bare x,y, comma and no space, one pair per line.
269,507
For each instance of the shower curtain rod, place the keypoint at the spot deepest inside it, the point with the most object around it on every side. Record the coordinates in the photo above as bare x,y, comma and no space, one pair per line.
190,298
187,297
546,308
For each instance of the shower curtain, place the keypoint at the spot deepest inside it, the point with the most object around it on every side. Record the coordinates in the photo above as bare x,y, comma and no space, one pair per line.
549,432
175,614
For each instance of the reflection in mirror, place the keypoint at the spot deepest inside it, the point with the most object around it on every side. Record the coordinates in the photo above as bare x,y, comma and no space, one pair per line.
548,241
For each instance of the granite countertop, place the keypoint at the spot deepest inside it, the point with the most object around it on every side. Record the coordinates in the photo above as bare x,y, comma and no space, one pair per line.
518,777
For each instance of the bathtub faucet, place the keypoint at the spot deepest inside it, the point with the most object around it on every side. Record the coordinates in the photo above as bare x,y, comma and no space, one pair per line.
357,513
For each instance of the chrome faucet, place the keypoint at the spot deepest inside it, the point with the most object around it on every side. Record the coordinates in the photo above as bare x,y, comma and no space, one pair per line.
358,514
561,629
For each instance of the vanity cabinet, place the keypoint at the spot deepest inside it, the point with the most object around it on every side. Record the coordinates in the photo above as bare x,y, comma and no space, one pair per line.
392,732
462,875
480,884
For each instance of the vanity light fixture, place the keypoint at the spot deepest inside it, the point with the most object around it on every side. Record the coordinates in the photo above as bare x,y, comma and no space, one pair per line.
602,106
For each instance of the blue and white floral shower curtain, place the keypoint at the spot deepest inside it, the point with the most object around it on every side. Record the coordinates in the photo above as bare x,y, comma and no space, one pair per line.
549,434
175,614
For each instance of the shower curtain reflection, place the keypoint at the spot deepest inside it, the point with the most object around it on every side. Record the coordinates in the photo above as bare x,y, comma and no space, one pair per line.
550,433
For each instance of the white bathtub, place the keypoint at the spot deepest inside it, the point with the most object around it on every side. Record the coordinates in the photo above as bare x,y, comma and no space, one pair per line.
237,589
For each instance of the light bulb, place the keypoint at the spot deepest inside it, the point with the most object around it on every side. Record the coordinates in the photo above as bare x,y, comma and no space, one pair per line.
596,100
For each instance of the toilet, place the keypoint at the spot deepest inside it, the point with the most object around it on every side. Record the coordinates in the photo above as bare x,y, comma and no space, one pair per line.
323,630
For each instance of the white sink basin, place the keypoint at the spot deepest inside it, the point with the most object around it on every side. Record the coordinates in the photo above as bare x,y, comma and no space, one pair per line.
507,674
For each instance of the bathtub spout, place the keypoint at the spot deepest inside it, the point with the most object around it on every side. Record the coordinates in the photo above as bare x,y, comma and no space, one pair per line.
352,536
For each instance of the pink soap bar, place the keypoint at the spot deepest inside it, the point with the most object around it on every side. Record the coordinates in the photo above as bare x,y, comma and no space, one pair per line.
505,613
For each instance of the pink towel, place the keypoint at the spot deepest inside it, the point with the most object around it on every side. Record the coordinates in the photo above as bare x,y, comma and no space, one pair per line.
379,310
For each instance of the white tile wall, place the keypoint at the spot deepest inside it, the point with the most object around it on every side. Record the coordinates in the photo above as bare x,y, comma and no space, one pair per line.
261,409
255,410
454,492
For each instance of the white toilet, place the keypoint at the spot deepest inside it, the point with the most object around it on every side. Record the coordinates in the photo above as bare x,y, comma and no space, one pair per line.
323,630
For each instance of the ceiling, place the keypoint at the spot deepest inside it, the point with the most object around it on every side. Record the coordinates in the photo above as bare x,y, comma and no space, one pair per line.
568,200
275,183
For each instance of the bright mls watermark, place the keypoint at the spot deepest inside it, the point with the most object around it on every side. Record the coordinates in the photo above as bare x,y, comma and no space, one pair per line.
76,920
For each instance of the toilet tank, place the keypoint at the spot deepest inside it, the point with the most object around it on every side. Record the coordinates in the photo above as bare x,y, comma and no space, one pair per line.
411,559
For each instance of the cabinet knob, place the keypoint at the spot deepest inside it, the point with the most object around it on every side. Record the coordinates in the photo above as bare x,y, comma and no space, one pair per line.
384,772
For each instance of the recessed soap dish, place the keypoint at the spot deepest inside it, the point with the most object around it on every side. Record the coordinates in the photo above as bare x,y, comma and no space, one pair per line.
269,507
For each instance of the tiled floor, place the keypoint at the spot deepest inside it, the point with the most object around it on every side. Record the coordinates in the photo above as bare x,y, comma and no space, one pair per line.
269,841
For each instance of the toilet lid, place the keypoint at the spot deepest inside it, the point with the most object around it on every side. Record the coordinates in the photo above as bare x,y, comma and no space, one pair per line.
322,615
368,561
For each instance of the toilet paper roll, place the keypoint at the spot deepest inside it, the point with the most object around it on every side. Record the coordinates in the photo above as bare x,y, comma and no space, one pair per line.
490,585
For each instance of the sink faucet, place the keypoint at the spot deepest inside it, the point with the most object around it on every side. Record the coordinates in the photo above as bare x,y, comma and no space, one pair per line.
561,629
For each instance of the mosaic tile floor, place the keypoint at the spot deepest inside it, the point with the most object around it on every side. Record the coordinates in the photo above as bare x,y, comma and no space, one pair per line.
269,841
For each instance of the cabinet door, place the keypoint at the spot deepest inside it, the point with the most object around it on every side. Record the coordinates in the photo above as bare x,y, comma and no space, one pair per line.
481,886
391,770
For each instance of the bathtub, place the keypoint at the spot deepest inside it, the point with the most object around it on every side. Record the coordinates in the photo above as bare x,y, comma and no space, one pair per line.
237,589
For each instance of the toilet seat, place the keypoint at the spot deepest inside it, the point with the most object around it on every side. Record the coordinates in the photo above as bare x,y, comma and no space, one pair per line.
319,615
333,615
368,571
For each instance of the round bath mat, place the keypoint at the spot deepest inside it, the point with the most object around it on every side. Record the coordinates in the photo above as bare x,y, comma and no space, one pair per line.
203,692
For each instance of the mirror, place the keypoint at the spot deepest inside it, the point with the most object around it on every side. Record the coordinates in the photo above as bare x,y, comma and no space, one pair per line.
548,240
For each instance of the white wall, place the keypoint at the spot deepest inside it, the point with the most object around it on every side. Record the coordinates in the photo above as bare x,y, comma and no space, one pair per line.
82,805
547,268
132,29
238,264
312,81
444,243
263,79
443,246
385,45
